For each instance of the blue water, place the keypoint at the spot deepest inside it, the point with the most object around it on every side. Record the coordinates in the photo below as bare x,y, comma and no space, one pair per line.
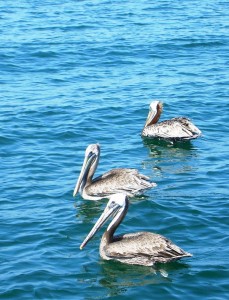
79,72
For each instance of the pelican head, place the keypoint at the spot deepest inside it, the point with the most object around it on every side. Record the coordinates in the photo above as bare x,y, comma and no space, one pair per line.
90,163
155,110
117,207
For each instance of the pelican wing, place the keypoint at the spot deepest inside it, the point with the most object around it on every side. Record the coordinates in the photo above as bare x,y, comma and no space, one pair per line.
128,181
176,128
144,246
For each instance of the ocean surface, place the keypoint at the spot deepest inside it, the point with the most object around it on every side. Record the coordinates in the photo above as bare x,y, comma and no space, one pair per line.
74,73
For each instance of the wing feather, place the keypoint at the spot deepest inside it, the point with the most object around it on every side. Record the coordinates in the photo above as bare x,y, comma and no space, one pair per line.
128,181
176,128
146,246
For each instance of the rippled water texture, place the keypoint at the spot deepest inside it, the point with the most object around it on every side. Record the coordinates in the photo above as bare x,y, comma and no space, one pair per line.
79,72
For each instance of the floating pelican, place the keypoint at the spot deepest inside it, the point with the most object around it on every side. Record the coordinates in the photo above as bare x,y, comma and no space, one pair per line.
127,181
175,129
140,248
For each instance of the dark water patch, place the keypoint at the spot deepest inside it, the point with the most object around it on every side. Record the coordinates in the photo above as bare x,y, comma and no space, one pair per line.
44,54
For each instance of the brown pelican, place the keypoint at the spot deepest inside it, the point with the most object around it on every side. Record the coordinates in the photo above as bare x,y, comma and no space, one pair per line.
175,129
140,248
127,181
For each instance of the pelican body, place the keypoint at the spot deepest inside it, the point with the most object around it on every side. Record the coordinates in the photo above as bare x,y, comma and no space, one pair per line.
179,128
127,181
141,248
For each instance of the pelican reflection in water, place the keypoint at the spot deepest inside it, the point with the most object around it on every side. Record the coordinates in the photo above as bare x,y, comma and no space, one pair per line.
141,248
128,181
179,128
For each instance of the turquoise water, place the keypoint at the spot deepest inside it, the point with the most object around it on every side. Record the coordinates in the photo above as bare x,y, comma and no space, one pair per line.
79,72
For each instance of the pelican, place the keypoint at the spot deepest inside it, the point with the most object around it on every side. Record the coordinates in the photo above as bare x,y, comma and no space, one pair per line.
140,248
175,129
128,181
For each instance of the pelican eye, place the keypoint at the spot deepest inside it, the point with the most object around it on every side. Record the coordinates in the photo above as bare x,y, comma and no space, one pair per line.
112,205
90,154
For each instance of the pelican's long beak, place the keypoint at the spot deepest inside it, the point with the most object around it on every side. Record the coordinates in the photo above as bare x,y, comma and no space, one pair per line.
103,218
150,117
88,160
